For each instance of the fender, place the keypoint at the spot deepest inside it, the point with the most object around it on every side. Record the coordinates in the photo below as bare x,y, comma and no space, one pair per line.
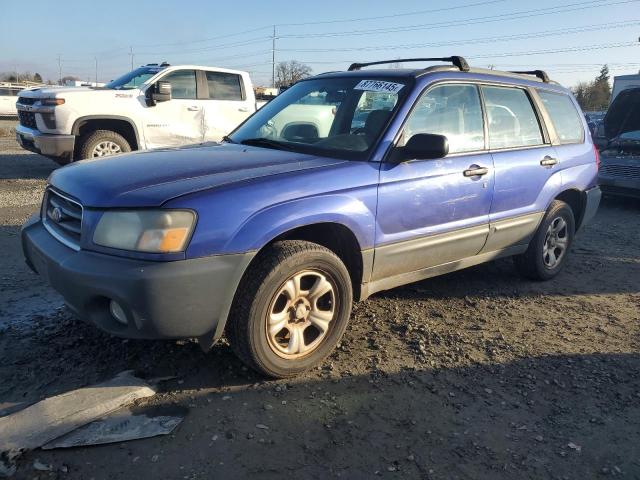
75,130
271,222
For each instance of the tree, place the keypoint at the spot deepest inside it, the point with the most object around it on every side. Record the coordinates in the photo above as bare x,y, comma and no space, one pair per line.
69,78
594,96
37,77
288,73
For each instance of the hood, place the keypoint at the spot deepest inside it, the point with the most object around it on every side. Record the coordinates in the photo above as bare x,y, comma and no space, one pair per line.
623,115
151,178
51,91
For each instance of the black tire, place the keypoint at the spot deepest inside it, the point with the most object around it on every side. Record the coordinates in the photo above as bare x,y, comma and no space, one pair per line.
531,264
257,295
88,143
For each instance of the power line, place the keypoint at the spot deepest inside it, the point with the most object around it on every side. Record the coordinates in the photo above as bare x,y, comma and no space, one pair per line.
493,39
395,15
469,21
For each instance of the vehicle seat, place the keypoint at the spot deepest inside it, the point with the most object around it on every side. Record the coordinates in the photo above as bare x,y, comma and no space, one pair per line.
375,122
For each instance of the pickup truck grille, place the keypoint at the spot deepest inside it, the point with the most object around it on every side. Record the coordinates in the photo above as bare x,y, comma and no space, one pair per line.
625,171
62,217
27,119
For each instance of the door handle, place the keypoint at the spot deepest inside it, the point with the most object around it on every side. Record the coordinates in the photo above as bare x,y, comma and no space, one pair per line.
548,161
193,108
243,109
475,171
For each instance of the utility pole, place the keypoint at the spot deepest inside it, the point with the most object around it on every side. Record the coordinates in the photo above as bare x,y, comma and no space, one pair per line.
59,70
131,54
96,60
273,58
17,76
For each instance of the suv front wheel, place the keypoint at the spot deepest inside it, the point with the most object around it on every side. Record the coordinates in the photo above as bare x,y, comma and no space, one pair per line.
102,143
291,308
549,247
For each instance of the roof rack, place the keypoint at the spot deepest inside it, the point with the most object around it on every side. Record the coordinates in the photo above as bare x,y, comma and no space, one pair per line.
459,62
541,74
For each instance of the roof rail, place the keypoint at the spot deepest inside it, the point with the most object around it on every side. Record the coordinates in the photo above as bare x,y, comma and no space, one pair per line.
459,62
541,74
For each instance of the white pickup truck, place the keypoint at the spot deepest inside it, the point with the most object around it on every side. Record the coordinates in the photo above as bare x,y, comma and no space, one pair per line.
151,107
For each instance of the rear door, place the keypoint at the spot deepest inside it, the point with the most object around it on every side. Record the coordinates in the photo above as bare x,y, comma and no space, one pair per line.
430,212
525,163
179,121
227,104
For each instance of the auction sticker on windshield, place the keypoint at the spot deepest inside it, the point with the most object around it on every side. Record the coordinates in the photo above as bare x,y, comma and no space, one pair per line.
379,86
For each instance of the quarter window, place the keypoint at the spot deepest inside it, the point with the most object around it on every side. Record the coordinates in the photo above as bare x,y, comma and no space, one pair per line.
183,84
564,116
450,110
512,120
224,86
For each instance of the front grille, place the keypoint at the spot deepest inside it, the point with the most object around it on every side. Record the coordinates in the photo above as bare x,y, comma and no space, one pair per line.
27,119
62,217
624,171
27,101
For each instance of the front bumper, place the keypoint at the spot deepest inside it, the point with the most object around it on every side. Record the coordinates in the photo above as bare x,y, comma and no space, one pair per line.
50,145
625,187
161,300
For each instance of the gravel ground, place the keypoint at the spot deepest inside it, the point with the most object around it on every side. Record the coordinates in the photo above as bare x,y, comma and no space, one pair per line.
477,374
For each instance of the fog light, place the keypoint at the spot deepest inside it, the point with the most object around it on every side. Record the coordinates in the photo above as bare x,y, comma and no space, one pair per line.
117,312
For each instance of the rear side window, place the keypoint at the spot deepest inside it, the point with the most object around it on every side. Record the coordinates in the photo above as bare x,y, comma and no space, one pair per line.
183,84
565,117
224,86
512,120
450,110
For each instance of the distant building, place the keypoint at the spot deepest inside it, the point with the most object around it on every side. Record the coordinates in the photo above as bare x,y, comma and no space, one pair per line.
266,93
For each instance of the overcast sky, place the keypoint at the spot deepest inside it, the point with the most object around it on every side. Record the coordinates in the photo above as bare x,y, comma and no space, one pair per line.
570,39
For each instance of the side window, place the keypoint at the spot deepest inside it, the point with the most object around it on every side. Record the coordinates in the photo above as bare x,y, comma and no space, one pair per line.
512,120
564,116
450,110
224,86
183,84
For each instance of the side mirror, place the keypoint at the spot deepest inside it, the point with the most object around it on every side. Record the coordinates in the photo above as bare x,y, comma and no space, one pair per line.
161,92
424,146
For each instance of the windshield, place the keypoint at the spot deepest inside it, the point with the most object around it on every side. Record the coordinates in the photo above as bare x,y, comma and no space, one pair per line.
134,78
335,117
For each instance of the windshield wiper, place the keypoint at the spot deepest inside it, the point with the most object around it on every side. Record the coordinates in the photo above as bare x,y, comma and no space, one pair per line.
227,139
266,143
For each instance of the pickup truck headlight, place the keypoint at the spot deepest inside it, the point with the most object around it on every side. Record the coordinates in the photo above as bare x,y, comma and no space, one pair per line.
153,231
51,102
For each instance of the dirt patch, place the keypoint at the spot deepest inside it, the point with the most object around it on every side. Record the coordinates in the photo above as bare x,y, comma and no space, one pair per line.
477,374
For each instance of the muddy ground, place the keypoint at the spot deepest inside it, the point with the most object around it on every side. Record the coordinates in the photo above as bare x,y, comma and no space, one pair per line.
474,375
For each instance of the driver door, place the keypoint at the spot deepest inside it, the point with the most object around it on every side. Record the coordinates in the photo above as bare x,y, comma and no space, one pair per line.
179,121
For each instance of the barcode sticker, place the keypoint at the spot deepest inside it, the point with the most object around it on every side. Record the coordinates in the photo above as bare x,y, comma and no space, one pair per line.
379,86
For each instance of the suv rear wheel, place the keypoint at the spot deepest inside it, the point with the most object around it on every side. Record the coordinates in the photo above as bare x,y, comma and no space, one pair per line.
548,250
102,143
291,309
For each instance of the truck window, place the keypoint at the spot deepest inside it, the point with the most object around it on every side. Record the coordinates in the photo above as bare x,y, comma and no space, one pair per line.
564,116
512,120
224,86
183,84
450,110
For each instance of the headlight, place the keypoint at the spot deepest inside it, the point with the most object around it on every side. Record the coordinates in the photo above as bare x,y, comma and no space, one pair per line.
154,231
51,102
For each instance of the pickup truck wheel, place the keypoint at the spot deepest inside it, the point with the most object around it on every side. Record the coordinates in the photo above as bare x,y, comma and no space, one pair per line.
102,143
549,247
291,308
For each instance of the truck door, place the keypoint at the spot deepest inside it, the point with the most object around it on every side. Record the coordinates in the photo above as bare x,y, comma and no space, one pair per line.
227,105
179,121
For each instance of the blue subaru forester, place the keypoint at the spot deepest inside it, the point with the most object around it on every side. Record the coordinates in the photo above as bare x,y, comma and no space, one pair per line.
346,184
